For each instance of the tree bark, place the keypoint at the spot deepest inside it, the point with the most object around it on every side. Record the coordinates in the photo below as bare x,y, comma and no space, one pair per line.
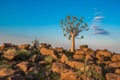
73,43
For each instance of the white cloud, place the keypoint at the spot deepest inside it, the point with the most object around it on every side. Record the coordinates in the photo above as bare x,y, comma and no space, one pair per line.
96,27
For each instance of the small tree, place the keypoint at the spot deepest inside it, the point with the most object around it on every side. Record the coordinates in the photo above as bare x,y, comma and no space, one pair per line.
71,27
35,43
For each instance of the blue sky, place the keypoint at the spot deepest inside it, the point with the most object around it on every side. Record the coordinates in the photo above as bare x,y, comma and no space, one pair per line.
23,20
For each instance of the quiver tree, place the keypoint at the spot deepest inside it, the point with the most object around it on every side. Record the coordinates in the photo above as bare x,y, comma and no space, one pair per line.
71,27
35,43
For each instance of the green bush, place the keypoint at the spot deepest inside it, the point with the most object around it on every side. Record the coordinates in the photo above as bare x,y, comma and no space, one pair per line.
92,73
48,59
4,64
23,54
34,51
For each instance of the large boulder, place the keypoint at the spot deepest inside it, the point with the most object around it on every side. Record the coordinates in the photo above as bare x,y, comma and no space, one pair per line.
64,58
117,71
112,76
83,47
84,77
79,57
23,66
79,52
6,72
109,69
116,57
69,75
115,64
36,58
10,54
51,52
45,45
24,46
103,55
59,49
66,74
76,65
58,67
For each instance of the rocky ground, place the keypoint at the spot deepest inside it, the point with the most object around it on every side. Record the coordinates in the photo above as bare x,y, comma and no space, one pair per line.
23,62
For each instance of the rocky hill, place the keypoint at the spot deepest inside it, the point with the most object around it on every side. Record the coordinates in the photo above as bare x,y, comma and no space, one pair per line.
25,62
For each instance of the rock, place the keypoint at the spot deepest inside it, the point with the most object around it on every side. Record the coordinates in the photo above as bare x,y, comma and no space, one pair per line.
83,46
69,75
23,66
103,55
89,57
51,52
116,57
59,49
58,67
117,71
64,58
79,57
112,76
10,54
115,65
66,74
45,45
6,72
36,58
24,46
34,69
16,77
109,69
76,65
79,52
86,78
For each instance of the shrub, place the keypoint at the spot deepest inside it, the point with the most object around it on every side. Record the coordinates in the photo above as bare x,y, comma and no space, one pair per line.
34,51
4,64
94,74
48,59
23,54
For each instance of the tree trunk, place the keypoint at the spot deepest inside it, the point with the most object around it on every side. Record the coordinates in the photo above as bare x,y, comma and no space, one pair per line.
73,44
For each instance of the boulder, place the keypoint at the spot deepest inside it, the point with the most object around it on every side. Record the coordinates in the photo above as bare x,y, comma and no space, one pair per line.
117,71
103,55
84,77
109,69
24,46
83,46
79,52
58,67
51,52
64,58
23,66
115,64
36,58
45,45
79,57
66,74
116,57
16,77
59,49
77,65
6,72
69,75
112,76
7,45
10,54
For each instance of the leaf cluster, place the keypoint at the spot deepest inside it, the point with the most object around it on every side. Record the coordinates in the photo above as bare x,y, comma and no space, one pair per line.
72,26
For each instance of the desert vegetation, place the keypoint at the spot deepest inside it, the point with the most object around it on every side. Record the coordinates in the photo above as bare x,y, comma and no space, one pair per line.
26,62
71,27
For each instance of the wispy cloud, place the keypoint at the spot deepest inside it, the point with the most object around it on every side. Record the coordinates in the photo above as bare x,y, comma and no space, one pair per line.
96,26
